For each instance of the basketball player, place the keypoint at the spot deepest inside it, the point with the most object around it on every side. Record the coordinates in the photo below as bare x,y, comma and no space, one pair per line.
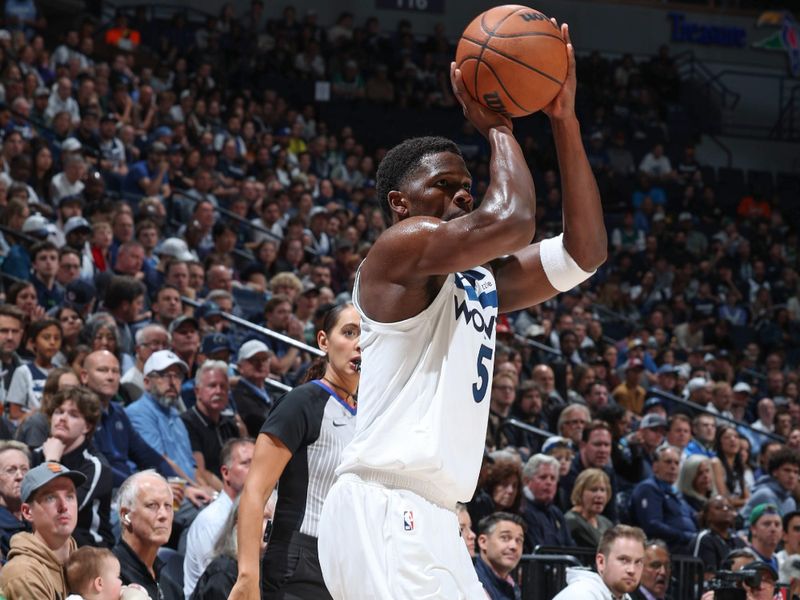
429,294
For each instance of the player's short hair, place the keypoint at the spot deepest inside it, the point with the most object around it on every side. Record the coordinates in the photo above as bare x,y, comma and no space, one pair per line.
488,523
84,565
619,531
402,160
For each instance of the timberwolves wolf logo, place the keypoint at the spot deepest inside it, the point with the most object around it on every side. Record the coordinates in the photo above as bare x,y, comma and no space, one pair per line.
787,39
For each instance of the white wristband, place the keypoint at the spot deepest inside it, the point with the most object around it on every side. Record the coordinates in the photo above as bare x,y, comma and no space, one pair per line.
560,268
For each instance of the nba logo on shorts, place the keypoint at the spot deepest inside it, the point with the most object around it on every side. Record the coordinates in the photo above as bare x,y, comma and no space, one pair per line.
408,520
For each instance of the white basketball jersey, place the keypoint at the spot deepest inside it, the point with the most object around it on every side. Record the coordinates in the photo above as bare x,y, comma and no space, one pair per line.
423,399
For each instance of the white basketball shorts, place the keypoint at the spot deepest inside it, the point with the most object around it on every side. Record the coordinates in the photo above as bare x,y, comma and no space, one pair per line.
377,543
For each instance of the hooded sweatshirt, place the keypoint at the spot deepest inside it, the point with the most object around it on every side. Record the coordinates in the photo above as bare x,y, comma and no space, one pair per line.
767,490
33,571
586,585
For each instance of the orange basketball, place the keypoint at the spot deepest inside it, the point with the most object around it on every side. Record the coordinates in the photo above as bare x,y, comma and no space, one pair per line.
513,59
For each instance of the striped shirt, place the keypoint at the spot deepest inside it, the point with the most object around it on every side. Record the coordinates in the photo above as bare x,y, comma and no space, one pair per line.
315,424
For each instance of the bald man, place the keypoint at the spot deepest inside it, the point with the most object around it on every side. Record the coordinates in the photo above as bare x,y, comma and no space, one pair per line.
115,437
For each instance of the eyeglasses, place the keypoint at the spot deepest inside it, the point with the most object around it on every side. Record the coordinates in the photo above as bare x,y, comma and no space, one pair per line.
171,376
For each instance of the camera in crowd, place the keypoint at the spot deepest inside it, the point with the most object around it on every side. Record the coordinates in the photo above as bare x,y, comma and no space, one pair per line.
727,585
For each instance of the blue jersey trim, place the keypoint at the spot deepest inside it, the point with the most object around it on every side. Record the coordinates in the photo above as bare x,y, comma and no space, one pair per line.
349,408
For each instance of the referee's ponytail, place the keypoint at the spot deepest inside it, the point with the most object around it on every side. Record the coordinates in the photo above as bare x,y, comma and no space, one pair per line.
320,364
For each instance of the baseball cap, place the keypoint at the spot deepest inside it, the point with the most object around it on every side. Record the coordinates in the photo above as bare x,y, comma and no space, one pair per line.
554,442
161,361
653,401
41,91
652,421
318,210
158,148
742,388
695,384
761,566
75,223
762,509
162,131
208,309
634,363
71,144
181,320
214,342
251,348
635,343
666,370
685,216
40,476
37,225
309,289
176,248
79,294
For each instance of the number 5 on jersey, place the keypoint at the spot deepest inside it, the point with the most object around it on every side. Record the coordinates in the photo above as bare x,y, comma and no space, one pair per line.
480,386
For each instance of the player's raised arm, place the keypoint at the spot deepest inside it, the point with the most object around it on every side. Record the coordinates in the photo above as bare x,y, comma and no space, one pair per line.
436,231
558,264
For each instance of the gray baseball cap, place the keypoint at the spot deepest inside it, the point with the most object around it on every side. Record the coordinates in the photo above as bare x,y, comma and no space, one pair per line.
44,474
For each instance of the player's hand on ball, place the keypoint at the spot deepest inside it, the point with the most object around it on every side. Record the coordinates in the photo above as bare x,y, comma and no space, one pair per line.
563,105
481,117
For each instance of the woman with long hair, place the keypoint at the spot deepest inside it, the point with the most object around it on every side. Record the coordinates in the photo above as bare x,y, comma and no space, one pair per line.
695,481
300,444
728,468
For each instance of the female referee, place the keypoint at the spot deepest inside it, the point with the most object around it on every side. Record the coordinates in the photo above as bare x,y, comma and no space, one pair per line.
300,446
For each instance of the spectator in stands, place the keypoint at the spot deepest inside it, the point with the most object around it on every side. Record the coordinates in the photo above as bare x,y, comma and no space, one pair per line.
504,387
278,317
155,417
253,401
500,489
145,510
115,437
235,457
729,470
572,422
27,384
14,464
679,432
465,528
500,540
12,326
695,481
124,299
150,338
791,547
630,394
718,538
590,495
777,486
655,573
545,524
639,447
661,511
149,177
49,292
73,414
704,428
765,532
208,428
594,451
185,332
619,563
35,561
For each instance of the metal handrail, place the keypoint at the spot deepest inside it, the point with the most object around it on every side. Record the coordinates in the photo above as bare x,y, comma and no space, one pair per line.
520,425
703,409
18,234
537,345
277,385
259,329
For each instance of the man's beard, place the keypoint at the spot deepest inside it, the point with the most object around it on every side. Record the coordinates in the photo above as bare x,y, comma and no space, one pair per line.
163,400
